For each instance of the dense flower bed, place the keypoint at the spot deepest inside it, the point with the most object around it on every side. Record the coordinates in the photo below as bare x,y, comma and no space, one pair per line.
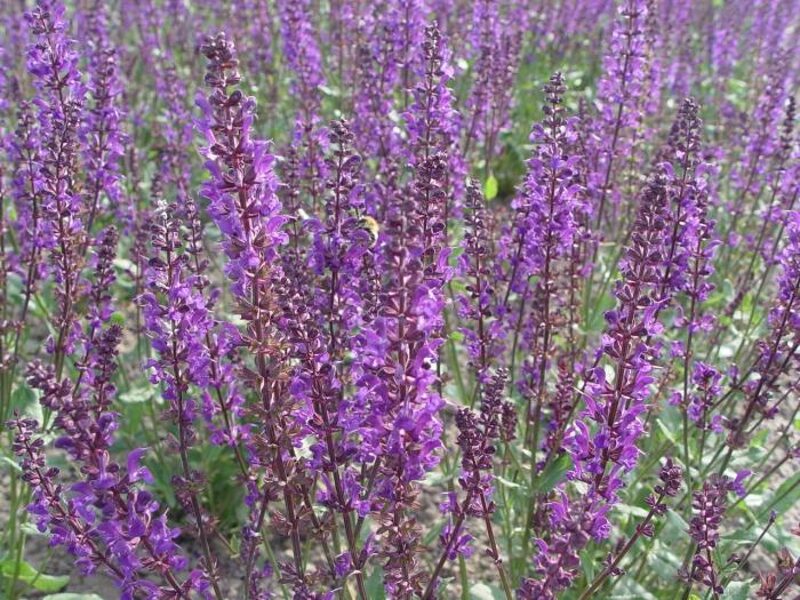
404,299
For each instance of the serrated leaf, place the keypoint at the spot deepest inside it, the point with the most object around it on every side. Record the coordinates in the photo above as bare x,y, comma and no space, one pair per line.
490,187
28,574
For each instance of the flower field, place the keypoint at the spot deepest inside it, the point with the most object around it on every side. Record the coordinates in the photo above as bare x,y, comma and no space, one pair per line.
399,299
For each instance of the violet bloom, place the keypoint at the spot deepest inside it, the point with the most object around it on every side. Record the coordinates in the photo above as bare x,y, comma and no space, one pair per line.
615,406
432,122
322,339
496,43
547,207
302,54
706,381
378,73
618,98
52,60
779,347
25,156
761,144
222,402
177,321
407,335
476,306
101,132
478,438
709,505
557,559
547,211
245,208
602,441
241,192
106,520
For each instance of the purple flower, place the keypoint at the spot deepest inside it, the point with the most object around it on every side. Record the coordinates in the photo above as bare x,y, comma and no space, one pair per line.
709,505
101,133
52,61
618,97
106,520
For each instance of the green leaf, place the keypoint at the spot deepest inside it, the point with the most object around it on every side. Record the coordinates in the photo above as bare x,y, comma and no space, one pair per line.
490,187
507,482
632,589
70,596
11,463
737,590
627,509
26,401
669,434
675,529
786,496
662,561
457,336
588,566
374,585
27,574
136,395
31,530
554,473
482,591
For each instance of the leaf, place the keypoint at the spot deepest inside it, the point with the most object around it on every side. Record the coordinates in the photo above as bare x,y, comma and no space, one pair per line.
31,530
554,473
27,574
482,591
457,336
490,187
737,590
507,482
627,509
124,264
11,463
374,584
71,596
670,435
675,529
26,401
663,562
136,395
632,589
786,496
588,566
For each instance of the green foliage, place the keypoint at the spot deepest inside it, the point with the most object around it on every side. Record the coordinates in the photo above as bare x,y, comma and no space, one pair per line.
26,573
